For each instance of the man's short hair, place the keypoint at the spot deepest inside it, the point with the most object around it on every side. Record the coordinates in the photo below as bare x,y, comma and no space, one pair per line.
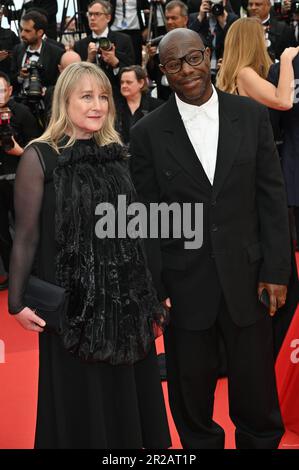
5,77
105,4
177,3
40,21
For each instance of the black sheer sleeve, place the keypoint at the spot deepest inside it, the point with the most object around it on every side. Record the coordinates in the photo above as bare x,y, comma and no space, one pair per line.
29,188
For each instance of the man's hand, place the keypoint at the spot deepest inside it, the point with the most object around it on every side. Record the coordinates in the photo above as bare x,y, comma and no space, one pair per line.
166,303
17,150
24,73
3,55
277,295
222,19
91,52
109,57
205,8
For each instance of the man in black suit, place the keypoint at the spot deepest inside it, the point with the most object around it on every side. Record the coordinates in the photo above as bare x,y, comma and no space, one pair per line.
34,48
121,53
206,146
279,35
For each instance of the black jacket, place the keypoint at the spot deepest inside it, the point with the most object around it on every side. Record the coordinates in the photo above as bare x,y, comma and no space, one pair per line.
49,58
25,128
204,30
245,219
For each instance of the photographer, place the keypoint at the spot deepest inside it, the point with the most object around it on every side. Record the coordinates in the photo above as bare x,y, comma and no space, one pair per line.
8,40
278,34
17,127
294,12
176,16
34,49
110,50
212,23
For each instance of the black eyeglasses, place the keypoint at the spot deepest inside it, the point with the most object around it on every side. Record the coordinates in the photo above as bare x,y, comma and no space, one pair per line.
194,58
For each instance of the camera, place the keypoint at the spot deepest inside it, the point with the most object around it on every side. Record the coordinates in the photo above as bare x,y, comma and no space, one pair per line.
217,8
105,44
34,89
295,7
6,132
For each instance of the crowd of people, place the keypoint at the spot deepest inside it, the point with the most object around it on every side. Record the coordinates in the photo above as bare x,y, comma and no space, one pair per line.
163,103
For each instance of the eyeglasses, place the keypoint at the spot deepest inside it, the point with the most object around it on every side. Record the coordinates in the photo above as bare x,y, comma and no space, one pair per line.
193,58
96,14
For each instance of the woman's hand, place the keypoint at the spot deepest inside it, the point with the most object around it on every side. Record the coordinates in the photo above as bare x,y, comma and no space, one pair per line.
30,321
289,53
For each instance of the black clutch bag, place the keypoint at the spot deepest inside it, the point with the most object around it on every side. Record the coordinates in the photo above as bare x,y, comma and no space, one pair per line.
48,300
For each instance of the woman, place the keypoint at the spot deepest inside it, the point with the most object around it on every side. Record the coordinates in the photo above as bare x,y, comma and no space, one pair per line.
98,381
246,63
136,103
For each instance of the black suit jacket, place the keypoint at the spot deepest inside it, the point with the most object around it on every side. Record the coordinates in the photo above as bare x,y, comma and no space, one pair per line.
245,221
281,36
49,57
285,125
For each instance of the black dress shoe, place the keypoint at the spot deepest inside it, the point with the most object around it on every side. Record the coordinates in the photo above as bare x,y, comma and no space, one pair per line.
4,284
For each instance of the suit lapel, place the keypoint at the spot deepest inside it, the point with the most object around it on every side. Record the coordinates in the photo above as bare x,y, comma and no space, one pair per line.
179,144
228,142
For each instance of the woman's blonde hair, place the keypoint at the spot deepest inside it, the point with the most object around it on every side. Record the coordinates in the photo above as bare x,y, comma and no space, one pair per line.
60,122
244,46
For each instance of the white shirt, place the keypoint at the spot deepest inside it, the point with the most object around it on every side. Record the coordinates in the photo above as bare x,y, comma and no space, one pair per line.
202,126
130,20
104,34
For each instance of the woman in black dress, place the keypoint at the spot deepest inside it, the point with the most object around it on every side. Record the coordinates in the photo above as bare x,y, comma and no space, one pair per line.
135,102
99,384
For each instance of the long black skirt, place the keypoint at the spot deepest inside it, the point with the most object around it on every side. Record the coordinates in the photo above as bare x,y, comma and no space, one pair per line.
98,406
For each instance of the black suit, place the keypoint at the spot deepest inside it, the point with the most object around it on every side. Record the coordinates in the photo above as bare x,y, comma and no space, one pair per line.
123,51
49,58
281,36
245,240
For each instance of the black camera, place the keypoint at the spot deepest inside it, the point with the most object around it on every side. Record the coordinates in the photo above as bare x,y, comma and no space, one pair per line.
6,132
34,89
217,8
105,44
295,8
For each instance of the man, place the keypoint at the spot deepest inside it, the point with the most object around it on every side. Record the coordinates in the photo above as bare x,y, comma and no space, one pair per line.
69,57
205,146
121,53
8,40
24,128
34,48
176,16
213,29
278,34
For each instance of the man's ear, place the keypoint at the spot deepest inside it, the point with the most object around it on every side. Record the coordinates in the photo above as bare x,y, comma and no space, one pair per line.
208,53
161,68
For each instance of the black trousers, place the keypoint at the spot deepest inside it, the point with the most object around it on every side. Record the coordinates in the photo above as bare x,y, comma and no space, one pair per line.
192,369
6,206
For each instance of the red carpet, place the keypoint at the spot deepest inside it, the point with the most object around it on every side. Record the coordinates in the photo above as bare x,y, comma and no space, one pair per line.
18,389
